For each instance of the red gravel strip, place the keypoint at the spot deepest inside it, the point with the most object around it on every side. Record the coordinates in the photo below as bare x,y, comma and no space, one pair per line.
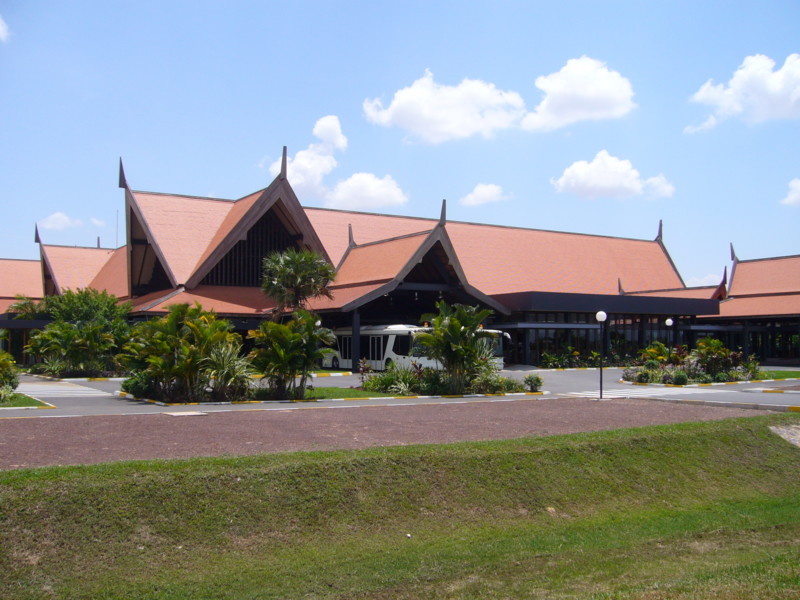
39,442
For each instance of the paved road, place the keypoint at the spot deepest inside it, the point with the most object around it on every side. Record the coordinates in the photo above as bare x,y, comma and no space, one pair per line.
87,398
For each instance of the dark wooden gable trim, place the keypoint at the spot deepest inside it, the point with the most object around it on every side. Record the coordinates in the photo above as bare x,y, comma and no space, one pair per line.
280,198
437,235
134,214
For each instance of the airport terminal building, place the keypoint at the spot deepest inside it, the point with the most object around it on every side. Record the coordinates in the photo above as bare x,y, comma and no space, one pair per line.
544,287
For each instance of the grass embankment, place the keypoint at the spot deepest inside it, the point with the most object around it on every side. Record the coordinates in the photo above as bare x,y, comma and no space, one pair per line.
19,401
706,510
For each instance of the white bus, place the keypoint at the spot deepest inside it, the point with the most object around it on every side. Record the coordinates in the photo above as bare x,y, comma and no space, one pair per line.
387,345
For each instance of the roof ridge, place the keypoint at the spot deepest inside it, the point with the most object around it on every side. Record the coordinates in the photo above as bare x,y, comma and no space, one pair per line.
190,196
747,260
499,226
76,247
394,239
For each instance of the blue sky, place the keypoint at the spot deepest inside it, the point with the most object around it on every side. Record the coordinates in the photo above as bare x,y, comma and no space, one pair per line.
590,117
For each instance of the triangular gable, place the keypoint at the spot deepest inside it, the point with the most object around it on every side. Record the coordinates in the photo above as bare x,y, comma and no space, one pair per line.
278,199
361,266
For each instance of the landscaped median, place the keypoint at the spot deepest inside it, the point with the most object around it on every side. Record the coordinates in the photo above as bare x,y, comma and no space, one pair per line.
362,395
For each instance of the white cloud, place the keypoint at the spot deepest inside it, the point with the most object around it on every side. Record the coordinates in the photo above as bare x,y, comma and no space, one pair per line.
756,93
59,221
705,280
610,177
97,222
793,197
583,90
366,191
307,170
4,33
308,167
483,194
437,113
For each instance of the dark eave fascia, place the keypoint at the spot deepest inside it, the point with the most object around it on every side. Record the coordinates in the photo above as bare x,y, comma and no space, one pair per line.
560,302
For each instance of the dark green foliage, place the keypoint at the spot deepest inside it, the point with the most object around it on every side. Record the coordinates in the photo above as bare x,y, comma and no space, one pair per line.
87,331
173,353
286,354
293,277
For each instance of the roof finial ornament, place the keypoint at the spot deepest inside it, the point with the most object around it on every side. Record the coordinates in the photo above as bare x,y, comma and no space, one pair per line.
36,238
443,217
123,183
734,258
351,242
660,230
724,276
620,289
284,162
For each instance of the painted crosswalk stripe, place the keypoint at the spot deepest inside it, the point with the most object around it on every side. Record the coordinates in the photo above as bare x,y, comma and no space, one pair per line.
644,392
60,390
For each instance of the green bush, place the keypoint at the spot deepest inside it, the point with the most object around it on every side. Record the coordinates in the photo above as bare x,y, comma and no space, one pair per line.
9,374
680,378
140,385
533,382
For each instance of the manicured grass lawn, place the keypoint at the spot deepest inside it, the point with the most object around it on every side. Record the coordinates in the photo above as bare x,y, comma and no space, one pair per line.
327,393
20,401
780,374
707,510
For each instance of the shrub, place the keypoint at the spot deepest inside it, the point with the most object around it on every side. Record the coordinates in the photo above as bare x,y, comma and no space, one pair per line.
140,385
492,383
652,364
533,382
9,375
680,378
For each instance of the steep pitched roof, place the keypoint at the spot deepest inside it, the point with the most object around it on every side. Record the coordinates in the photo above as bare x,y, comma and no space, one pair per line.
779,275
19,278
112,276
180,228
377,268
763,287
69,267
498,259
190,234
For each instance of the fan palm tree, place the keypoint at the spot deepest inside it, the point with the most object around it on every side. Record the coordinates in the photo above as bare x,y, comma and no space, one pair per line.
293,277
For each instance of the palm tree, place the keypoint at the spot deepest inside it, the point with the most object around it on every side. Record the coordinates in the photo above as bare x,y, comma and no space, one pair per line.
458,341
286,353
293,277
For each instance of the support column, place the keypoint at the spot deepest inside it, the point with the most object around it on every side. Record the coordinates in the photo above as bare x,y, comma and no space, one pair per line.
355,341
526,346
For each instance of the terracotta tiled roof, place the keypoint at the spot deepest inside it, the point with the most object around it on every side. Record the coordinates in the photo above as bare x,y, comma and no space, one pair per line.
20,278
331,226
183,227
224,300
500,259
760,306
379,261
113,276
766,276
74,268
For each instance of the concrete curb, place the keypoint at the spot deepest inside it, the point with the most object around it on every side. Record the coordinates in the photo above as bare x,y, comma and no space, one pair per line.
696,385
312,401
721,404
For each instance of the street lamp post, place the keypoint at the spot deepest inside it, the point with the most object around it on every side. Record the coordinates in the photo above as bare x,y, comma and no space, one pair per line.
669,323
601,317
